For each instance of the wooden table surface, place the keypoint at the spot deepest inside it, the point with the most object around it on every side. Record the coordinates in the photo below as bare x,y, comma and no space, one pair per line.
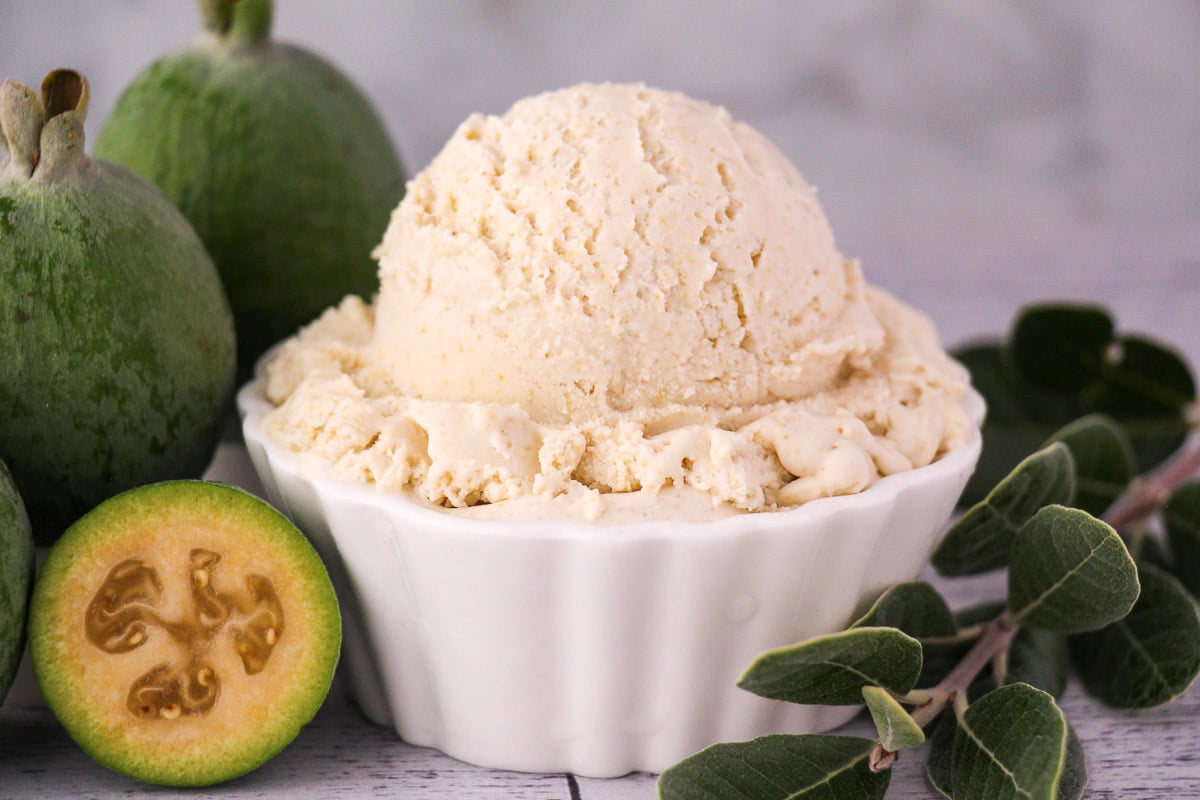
1146,755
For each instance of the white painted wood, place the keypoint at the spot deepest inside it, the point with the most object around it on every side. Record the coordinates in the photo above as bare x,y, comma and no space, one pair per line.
973,289
1149,755
1045,154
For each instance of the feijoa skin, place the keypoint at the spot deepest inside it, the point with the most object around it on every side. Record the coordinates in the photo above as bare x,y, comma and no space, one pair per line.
184,632
16,578
276,158
116,339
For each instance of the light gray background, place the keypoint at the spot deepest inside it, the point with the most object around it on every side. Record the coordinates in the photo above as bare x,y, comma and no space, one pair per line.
974,155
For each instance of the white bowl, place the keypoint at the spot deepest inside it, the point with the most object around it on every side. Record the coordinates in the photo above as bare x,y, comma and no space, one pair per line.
565,646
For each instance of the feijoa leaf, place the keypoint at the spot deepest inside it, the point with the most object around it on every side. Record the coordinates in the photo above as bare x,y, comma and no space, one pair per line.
1150,656
1151,550
938,767
941,657
939,764
1060,362
984,360
1156,439
1181,515
1059,346
1010,743
1069,572
778,767
1039,658
833,669
982,538
1103,457
914,607
1142,379
979,613
897,729
1074,775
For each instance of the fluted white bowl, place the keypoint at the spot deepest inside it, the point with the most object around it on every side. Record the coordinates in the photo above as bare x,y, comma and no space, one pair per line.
568,646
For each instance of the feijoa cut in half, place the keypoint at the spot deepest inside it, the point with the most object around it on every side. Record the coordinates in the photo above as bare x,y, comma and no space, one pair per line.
184,632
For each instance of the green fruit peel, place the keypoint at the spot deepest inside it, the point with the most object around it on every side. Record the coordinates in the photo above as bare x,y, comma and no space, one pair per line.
16,578
279,162
117,337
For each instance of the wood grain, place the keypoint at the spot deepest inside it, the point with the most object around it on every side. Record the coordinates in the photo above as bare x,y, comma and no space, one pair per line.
1149,755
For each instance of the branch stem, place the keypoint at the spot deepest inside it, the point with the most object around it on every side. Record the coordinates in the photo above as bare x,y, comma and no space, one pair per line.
994,640
1146,494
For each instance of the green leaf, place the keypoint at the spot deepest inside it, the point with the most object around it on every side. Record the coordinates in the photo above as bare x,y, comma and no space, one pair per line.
1074,776
832,670
1010,743
1145,380
1039,658
1155,440
1151,656
982,538
979,613
1181,514
1151,550
1062,361
914,607
917,609
1060,346
897,729
942,657
778,767
984,361
939,764
1104,460
1020,416
1005,444
938,767
1070,572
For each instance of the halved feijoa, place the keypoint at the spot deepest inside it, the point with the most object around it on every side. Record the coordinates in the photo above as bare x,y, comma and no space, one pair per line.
184,632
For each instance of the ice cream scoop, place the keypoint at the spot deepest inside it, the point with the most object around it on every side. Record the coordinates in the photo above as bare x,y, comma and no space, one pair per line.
611,249
616,290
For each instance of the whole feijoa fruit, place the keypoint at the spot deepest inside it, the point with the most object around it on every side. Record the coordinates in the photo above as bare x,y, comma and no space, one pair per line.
16,578
116,340
281,164
183,632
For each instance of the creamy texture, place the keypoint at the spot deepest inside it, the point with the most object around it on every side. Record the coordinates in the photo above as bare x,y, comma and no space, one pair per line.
615,302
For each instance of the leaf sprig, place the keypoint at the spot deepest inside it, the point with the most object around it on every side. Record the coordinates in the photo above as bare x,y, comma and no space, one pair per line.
1102,569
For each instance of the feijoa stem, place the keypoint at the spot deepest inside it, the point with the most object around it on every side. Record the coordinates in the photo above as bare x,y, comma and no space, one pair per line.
65,95
21,121
44,138
65,90
238,22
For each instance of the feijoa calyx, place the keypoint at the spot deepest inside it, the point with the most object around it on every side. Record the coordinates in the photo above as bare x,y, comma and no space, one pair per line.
184,632
116,339
16,578
280,163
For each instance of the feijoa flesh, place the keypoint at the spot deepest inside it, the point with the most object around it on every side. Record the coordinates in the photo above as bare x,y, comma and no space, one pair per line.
116,339
277,159
16,578
184,632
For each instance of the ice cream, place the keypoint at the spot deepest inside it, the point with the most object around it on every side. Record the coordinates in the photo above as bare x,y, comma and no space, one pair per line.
613,302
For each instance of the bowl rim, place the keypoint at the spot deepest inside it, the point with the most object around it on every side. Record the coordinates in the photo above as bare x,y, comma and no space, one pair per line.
253,405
